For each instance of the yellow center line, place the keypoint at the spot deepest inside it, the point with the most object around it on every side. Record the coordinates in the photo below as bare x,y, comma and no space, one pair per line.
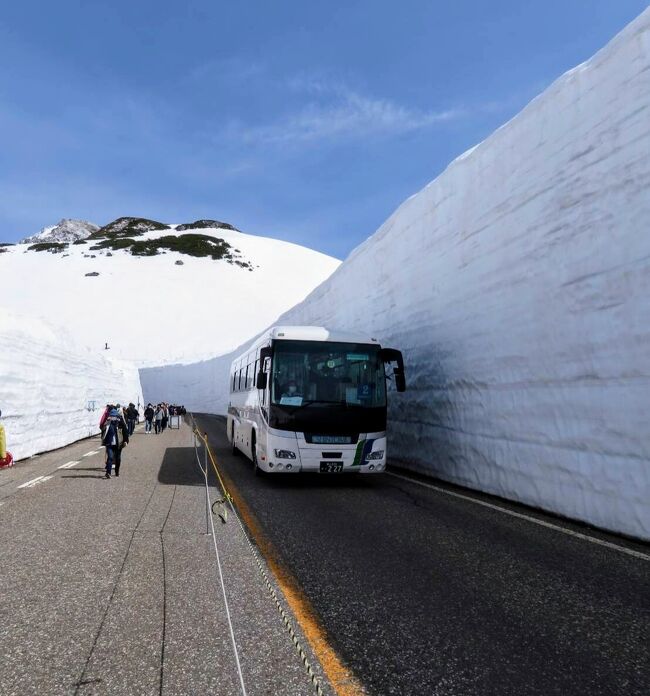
340,677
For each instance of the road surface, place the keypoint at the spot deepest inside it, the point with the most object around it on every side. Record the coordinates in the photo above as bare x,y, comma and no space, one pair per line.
423,592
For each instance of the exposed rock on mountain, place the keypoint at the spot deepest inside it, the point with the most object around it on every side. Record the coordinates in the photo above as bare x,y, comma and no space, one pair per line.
67,230
128,227
205,224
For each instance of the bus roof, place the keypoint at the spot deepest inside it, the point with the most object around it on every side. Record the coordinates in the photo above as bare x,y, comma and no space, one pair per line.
307,333
318,333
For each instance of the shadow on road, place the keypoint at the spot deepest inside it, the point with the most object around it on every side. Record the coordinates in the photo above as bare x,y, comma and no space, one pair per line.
303,480
179,468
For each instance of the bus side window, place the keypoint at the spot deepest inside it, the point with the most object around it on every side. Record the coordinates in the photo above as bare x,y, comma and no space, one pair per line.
234,377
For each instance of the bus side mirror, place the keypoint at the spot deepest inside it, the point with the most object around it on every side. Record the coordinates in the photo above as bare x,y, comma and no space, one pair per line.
391,355
262,377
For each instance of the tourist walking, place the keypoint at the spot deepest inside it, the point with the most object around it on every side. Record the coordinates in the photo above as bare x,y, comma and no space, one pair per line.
115,437
131,418
158,419
149,413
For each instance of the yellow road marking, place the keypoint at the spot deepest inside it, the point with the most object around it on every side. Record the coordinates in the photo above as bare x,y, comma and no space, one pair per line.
340,677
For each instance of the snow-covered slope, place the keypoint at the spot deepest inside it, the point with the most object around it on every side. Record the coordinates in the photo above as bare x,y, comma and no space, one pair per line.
67,230
52,391
518,284
164,308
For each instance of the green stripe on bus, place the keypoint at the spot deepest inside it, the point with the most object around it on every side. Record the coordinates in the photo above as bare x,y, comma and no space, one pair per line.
357,454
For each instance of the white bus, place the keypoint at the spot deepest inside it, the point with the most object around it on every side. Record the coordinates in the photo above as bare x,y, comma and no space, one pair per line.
306,398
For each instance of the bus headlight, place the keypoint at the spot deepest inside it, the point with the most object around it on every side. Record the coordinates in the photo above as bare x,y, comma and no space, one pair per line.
284,454
379,454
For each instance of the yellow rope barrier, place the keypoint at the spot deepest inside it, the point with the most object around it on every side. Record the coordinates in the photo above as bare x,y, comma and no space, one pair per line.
204,438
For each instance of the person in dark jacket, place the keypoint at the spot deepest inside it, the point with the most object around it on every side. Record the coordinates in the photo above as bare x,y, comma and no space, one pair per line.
131,418
148,418
115,436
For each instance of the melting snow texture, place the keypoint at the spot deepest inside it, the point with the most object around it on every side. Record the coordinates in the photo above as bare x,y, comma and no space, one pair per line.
51,391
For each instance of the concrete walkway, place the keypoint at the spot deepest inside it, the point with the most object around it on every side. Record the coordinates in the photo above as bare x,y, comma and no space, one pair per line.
111,586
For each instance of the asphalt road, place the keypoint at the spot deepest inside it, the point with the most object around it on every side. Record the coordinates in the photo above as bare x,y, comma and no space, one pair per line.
421,592
111,586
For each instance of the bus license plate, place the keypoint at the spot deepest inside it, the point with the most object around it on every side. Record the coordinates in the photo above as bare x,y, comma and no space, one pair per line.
331,467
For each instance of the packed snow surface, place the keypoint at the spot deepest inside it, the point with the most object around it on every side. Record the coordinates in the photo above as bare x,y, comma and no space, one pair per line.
166,308
52,392
517,285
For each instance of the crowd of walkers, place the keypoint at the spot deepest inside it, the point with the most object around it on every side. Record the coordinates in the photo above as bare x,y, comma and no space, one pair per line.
157,418
117,425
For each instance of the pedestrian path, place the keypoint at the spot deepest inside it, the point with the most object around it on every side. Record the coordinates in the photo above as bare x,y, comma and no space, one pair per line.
111,586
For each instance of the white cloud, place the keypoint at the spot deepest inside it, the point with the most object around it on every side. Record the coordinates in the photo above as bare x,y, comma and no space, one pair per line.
336,112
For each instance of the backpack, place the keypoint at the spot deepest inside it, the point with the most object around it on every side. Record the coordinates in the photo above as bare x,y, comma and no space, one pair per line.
110,431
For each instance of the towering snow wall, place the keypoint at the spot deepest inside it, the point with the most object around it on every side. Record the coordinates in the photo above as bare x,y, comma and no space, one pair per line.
518,286
51,391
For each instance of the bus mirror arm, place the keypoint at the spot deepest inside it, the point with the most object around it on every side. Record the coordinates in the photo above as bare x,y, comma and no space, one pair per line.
391,355
400,379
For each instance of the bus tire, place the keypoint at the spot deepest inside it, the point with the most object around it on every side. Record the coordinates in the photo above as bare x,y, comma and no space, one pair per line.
235,451
256,470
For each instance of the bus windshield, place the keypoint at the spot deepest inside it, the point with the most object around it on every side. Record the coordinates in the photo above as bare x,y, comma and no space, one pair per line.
323,373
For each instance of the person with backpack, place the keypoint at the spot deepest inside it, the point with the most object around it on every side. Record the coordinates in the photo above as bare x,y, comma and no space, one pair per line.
102,420
148,418
115,436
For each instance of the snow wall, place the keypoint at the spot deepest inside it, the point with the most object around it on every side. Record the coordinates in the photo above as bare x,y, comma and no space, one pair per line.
518,286
52,392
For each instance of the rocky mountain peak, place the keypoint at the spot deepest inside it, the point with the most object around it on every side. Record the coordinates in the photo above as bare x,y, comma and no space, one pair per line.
66,230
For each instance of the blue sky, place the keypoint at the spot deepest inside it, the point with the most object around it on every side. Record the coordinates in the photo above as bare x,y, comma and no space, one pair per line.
306,121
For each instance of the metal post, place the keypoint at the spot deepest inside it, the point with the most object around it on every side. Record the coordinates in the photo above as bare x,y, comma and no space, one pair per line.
207,490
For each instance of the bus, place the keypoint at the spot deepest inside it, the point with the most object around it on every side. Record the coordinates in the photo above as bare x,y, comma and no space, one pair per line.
312,399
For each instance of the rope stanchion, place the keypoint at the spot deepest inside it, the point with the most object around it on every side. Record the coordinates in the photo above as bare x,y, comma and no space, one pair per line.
315,681
204,438
204,470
